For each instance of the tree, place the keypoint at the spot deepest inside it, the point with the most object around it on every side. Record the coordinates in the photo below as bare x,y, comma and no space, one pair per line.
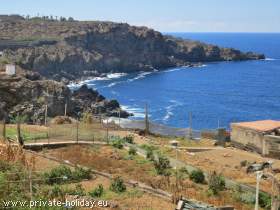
70,19
62,19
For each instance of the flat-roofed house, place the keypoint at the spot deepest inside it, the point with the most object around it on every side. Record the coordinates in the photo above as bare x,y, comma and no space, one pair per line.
259,136
10,69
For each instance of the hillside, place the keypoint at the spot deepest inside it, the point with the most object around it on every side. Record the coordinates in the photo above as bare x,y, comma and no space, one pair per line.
70,50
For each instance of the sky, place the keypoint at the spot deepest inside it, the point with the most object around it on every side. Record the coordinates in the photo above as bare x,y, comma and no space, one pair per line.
162,15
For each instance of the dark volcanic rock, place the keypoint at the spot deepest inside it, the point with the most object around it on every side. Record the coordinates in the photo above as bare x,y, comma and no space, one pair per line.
87,94
84,49
88,100
29,98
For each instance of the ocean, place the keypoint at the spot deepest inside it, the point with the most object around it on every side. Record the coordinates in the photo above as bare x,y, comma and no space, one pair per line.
216,94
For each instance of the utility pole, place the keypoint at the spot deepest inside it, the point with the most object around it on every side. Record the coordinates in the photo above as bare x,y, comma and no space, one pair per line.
120,118
77,132
259,176
65,109
190,125
147,129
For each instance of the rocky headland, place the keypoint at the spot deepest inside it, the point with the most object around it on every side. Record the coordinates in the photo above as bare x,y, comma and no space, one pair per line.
70,50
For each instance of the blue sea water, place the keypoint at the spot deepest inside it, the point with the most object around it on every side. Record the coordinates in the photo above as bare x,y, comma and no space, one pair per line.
216,94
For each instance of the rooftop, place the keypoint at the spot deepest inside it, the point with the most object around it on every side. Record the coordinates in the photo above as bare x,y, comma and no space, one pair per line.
261,126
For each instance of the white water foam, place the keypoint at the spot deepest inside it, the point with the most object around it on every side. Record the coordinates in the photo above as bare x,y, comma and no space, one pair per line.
203,65
112,84
116,75
170,109
137,112
139,76
270,59
171,70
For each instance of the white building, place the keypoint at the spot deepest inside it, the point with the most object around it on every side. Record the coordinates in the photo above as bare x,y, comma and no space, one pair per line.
10,69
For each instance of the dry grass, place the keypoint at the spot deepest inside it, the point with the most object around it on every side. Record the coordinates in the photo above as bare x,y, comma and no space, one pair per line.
107,159
227,162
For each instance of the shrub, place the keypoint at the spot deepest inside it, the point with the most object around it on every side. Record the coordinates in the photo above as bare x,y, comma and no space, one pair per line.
19,119
4,166
184,170
81,173
243,163
148,147
97,192
216,183
87,118
132,151
57,192
150,155
162,166
197,176
78,190
62,174
129,139
248,197
265,200
58,175
117,143
118,185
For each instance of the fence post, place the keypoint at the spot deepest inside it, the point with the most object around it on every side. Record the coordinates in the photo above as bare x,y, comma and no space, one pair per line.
20,140
48,134
77,132
147,129
107,131
46,114
119,118
4,130
30,184
190,125
65,109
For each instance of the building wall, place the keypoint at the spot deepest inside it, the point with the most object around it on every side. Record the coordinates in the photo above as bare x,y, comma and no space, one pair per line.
10,69
247,138
272,146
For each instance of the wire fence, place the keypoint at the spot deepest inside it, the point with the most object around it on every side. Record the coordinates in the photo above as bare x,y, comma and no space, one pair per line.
99,129
164,130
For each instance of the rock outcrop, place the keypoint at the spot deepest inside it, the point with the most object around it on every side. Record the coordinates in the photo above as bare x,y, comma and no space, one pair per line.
30,97
71,50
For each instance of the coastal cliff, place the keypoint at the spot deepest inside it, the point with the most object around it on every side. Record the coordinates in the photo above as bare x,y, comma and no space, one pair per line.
70,50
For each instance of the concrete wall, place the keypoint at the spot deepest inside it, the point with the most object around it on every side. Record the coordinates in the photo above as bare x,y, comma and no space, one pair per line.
10,69
272,146
247,138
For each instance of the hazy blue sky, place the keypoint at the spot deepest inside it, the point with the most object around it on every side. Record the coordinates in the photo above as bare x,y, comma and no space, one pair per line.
163,15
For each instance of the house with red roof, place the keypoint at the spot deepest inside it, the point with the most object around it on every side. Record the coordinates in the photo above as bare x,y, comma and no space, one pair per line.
258,136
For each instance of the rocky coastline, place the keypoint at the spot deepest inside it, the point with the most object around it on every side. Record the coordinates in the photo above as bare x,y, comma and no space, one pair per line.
31,97
70,50
51,54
